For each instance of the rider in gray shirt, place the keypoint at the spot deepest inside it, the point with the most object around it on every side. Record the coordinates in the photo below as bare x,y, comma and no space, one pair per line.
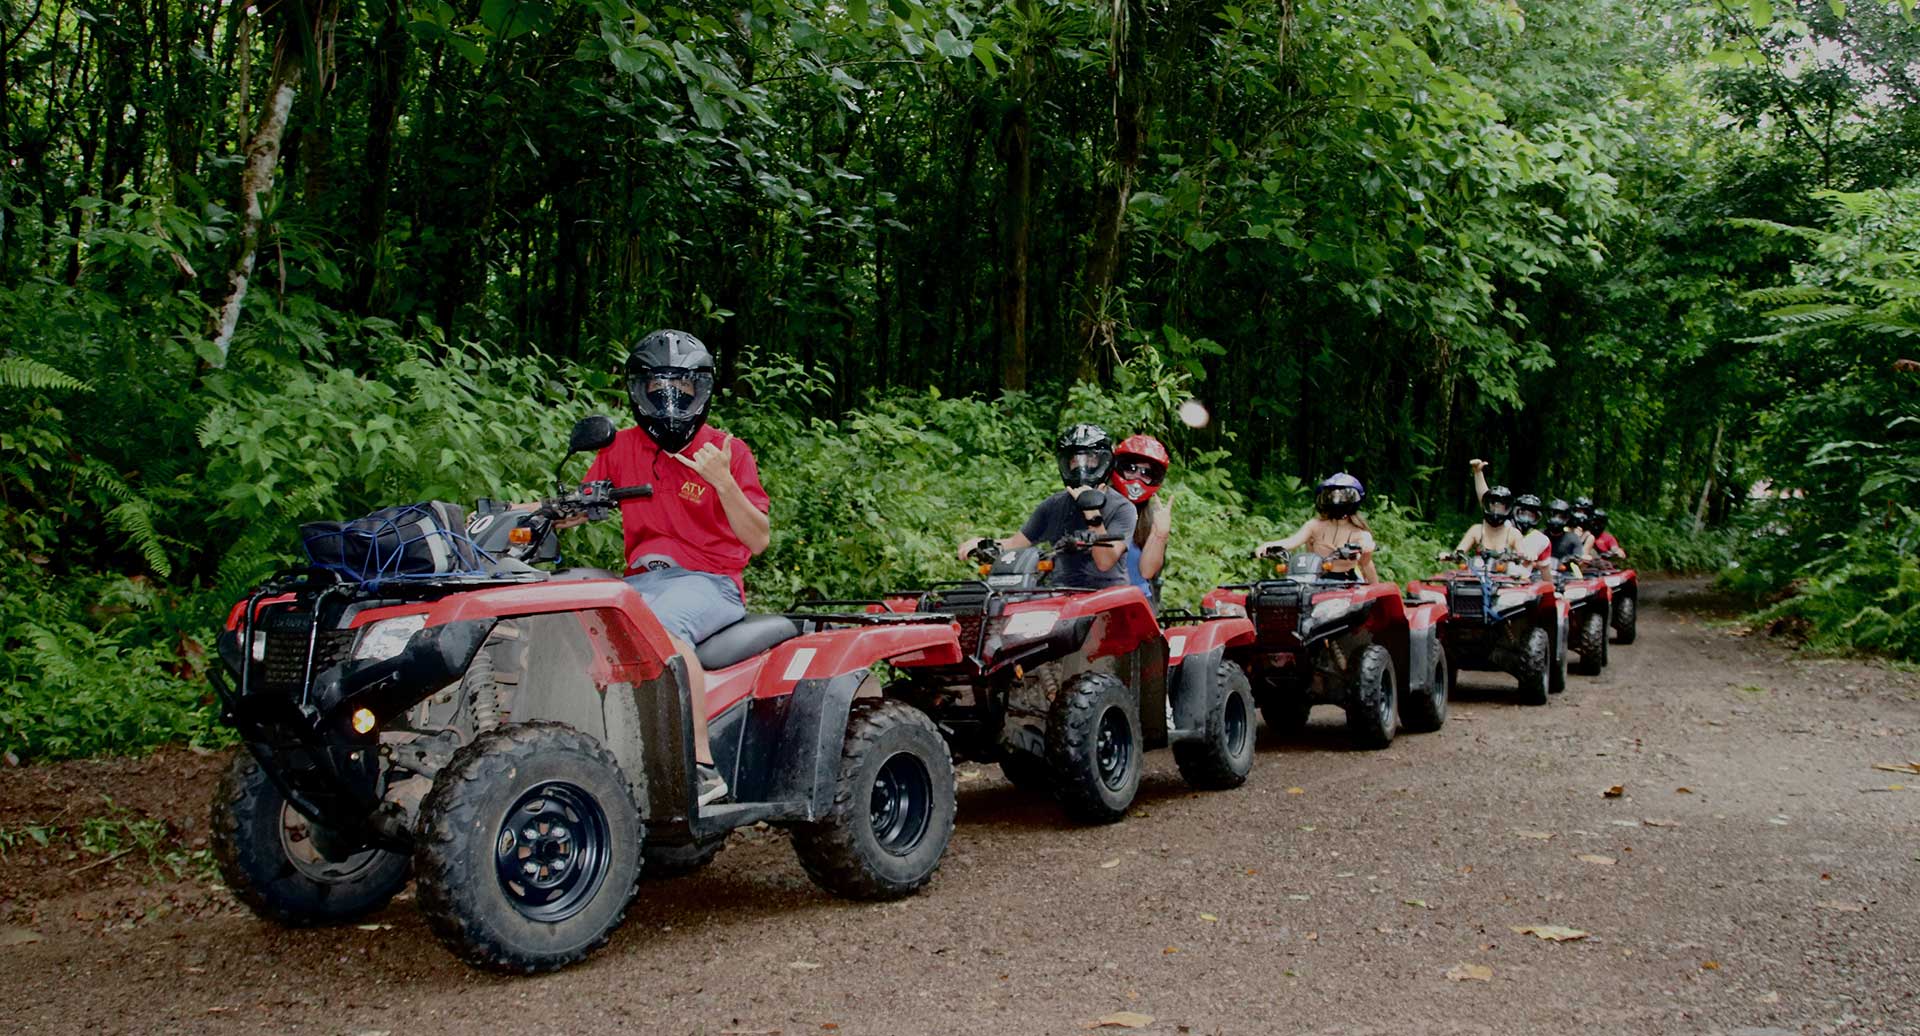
1085,453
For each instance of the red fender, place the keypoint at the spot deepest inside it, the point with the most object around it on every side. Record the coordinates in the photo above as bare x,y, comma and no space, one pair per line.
831,653
1198,638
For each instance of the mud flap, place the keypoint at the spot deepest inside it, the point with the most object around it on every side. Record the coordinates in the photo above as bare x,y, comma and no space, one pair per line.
1418,675
1188,687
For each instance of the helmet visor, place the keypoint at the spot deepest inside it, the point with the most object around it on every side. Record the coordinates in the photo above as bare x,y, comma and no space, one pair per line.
1337,500
1139,469
1085,467
672,393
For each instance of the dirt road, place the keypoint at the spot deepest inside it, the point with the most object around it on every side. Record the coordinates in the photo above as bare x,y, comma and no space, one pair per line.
1756,876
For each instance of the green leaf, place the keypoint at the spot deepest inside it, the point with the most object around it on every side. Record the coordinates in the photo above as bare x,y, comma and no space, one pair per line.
1838,7
950,45
510,18
983,53
1762,12
711,113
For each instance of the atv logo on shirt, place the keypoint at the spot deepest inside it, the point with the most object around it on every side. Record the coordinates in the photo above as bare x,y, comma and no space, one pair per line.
692,492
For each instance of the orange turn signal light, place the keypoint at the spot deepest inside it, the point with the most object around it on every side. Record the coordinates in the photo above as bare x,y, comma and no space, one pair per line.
984,569
522,536
1279,570
1044,566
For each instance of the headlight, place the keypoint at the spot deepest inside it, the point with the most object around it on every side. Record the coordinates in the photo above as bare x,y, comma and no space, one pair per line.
1614,582
388,637
1227,608
1027,625
1577,593
1510,599
1433,597
259,644
1327,611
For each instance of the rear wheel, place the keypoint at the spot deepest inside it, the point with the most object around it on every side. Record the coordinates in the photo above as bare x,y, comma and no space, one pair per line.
1223,757
1373,713
1094,747
1535,671
287,868
529,848
1590,639
1425,711
1626,618
893,807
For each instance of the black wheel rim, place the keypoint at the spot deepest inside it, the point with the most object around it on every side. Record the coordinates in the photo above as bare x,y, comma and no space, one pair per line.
901,805
552,851
1113,748
1238,727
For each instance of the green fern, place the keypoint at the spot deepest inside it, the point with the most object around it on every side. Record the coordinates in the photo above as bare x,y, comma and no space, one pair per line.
19,372
135,518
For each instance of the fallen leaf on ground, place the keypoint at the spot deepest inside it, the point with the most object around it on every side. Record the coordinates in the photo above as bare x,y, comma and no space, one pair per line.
1651,822
1421,903
1898,767
1470,973
803,965
1770,998
1553,932
1110,864
1614,792
1298,897
1709,965
829,1026
1296,791
1122,1020
1604,861
1171,949
374,927
1683,791
1208,917
1841,904
1541,835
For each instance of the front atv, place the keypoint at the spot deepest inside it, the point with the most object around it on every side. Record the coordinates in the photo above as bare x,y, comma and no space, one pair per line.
1500,618
1325,638
424,700
1067,688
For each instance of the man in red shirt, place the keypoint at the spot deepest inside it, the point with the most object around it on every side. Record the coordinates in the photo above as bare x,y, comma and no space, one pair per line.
687,544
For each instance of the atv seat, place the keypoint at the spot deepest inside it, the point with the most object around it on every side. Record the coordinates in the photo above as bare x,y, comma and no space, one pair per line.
580,575
744,639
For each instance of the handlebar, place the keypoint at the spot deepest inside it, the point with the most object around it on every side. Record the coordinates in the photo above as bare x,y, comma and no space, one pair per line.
630,493
1076,541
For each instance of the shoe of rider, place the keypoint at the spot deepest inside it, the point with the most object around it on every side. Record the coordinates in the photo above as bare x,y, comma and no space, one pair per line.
712,786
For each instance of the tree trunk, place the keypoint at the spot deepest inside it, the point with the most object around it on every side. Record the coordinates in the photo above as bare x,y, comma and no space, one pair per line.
1016,219
1713,464
1096,325
263,155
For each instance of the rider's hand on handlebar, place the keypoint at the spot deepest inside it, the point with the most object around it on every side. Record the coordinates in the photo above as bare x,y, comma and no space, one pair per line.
1270,549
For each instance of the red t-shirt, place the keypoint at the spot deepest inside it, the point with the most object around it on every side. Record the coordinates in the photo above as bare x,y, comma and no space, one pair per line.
1605,543
683,518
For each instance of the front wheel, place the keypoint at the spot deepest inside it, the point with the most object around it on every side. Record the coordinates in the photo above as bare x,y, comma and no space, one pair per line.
1373,713
1426,710
529,848
1535,671
1026,771
1094,747
1223,757
1626,618
287,868
893,807
1591,641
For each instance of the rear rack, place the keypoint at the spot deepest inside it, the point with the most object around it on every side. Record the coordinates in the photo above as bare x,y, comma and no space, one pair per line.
872,613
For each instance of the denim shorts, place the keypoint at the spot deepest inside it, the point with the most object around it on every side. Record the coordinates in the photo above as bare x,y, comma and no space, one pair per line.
691,605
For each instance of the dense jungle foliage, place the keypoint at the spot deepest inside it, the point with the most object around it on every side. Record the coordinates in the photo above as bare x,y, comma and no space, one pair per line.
267,262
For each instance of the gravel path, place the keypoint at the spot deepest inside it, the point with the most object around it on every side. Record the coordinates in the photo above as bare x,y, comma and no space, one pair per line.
1755,876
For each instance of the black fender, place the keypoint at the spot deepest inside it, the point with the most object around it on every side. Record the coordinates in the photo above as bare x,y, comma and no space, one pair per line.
1417,675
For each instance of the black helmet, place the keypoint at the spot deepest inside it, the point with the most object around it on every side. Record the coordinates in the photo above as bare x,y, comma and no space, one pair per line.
670,384
1559,515
1496,505
1339,496
1597,521
1085,453
1526,512
1582,510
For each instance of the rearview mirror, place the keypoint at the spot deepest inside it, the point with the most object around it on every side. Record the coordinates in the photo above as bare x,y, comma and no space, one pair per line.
592,434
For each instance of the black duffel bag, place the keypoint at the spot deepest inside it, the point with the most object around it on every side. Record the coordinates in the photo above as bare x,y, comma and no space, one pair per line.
412,540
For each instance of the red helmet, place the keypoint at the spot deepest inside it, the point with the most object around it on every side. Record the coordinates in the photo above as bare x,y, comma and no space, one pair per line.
1139,466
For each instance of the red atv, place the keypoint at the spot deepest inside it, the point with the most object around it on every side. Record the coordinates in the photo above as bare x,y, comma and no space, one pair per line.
1321,637
1589,605
1624,585
1067,688
1501,617
520,740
